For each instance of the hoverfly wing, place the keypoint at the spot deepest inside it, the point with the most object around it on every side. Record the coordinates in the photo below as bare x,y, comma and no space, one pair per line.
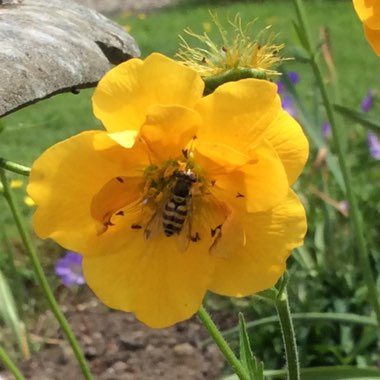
154,226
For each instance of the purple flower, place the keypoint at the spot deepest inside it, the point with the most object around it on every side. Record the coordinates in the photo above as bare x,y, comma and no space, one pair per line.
288,105
280,88
293,77
367,102
374,145
69,269
326,130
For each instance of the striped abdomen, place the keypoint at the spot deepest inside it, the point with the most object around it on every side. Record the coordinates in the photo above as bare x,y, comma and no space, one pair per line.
176,209
174,215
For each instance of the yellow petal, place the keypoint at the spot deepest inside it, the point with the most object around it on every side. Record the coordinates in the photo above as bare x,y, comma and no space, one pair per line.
65,179
288,139
124,95
259,178
218,158
125,138
270,237
168,130
116,194
368,12
373,37
222,215
152,279
238,113
266,182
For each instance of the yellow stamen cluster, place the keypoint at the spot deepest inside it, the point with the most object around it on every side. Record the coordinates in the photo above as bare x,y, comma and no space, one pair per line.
238,51
160,179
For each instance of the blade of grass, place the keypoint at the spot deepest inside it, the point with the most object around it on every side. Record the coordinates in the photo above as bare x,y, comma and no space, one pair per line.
325,373
8,363
9,314
306,317
359,117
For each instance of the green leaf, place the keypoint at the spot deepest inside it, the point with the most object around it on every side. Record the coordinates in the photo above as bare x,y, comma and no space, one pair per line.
301,35
358,117
8,313
325,373
246,355
340,373
269,295
255,369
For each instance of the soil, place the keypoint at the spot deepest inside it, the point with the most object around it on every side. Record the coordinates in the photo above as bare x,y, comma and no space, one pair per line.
118,347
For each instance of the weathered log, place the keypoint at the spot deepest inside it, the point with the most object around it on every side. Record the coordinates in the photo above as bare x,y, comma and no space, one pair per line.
55,46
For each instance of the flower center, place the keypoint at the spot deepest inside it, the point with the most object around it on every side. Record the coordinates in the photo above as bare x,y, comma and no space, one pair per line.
160,203
169,191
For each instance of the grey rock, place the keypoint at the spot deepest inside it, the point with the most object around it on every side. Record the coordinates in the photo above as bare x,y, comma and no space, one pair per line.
55,46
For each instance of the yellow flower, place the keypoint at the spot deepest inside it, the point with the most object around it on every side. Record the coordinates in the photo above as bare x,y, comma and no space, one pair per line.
369,13
29,201
16,183
211,171
127,28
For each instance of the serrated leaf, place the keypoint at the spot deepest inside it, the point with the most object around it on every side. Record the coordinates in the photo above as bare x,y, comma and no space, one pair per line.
358,117
246,354
254,370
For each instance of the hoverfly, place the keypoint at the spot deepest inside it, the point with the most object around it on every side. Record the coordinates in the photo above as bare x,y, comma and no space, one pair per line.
175,216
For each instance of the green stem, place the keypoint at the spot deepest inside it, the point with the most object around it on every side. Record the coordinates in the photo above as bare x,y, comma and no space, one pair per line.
8,363
14,167
42,278
354,210
291,353
222,344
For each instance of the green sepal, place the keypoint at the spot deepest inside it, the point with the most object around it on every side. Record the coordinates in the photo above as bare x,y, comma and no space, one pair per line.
269,295
232,75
